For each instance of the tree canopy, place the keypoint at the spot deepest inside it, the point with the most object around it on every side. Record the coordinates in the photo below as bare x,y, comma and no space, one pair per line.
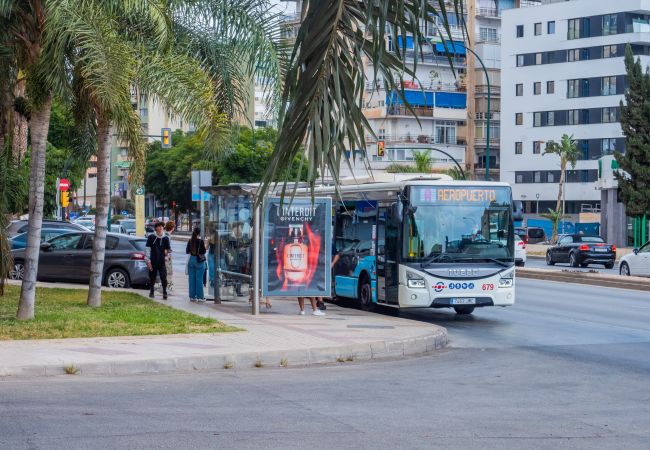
634,182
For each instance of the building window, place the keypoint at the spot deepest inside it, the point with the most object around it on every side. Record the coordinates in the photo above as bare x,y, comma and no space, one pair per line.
550,118
573,117
573,55
538,58
550,87
520,60
550,27
537,88
537,177
574,29
538,28
610,51
609,146
445,132
519,90
520,31
573,88
519,148
608,86
519,118
609,115
488,34
519,178
537,147
550,176
381,134
609,24
537,119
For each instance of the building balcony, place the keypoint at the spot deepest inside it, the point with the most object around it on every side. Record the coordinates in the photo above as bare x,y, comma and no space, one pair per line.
495,142
414,139
427,86
482,89
490,13
427,112
488,38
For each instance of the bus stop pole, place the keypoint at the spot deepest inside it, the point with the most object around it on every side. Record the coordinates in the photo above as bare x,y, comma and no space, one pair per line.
217,251
256,262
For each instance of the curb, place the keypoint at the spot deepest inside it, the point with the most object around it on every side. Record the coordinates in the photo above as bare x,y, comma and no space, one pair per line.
377,350
577,277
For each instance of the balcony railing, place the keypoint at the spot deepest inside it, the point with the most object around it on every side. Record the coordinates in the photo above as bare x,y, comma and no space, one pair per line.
489,12
482,142
493,38
427,86
427,56
414,139
482,89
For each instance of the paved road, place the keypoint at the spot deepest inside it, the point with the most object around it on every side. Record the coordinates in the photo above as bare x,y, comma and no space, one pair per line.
567,367
540,263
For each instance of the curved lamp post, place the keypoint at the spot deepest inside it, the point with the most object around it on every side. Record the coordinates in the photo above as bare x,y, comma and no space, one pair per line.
489,100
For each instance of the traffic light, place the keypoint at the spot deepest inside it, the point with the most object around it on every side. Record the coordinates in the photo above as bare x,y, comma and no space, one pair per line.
381,145
166,137
65,199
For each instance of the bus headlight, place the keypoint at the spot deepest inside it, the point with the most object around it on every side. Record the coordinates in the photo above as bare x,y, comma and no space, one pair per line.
415,281
507,279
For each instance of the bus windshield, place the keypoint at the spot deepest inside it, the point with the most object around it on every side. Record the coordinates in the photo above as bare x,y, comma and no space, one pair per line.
445,224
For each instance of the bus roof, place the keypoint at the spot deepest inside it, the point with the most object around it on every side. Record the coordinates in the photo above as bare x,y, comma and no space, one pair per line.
362,189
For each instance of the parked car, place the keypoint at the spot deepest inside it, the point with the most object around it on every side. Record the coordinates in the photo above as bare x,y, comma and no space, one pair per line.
580,250
128,225
88,223
20,226
520,252
67,258
531,235
20,240
636,263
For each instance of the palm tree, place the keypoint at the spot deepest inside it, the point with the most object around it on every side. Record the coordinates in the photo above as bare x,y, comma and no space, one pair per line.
324,89
568,152
423,161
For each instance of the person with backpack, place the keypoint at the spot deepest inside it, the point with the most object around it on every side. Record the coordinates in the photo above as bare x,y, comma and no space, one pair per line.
196,266
157,248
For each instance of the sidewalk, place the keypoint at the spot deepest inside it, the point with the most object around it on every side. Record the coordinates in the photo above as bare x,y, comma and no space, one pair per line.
276,337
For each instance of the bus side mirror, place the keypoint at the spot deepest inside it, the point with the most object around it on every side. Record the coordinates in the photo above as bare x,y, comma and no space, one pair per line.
396,212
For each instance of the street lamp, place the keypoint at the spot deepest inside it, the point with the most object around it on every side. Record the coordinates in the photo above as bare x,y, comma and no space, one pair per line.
537,207
489,104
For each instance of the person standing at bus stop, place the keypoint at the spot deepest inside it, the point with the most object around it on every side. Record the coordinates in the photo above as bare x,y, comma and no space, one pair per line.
156,251
196,266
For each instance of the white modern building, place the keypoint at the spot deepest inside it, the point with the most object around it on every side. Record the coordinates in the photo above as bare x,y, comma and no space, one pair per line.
563,73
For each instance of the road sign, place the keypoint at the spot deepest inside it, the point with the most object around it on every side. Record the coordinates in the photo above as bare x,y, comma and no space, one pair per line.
139,191
64,185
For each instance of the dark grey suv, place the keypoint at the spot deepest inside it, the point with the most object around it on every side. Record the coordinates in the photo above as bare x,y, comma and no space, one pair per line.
67,258
17,227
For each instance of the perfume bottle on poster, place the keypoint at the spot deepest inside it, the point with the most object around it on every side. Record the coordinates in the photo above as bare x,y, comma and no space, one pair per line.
295,261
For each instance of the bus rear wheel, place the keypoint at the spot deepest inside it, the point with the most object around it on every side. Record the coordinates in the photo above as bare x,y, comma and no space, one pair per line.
365,295
463,310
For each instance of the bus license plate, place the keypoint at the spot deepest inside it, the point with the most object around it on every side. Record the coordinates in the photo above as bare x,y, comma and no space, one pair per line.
463,301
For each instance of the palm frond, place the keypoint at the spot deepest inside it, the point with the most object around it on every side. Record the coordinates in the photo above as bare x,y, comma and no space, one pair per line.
324,89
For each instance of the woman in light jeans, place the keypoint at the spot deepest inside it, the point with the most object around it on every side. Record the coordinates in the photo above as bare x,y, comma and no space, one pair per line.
196,266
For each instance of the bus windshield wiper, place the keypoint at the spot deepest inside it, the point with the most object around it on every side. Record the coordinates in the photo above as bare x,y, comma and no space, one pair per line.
435,258
493,260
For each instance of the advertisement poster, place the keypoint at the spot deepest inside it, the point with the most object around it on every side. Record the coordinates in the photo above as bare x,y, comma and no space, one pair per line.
297,246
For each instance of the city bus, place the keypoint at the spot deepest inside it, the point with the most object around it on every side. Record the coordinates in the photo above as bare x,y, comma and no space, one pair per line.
424,242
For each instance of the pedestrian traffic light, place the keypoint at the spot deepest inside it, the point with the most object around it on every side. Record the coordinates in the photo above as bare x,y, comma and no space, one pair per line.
65,199
166,137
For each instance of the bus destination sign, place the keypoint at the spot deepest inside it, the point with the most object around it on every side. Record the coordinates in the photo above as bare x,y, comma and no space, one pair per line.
449,194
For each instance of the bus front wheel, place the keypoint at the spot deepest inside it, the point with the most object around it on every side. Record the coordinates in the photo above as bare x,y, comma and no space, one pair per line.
464,309
365,295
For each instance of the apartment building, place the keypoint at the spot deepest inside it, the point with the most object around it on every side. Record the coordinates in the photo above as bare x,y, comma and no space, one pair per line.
563,73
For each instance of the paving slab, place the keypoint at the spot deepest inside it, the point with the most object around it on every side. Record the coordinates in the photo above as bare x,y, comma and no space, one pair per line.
276,337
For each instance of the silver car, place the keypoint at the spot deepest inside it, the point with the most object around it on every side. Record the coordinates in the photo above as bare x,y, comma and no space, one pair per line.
67,258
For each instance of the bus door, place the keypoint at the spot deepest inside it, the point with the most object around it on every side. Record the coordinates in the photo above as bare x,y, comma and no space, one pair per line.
387,246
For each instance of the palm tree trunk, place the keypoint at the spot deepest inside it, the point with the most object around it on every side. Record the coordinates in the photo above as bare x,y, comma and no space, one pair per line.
40,123
19,142
563,163
101,215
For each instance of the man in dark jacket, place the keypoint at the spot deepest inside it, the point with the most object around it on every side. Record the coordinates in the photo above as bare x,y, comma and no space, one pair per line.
158,246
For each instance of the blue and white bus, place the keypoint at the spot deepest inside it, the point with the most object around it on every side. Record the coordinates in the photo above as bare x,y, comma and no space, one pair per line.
424,243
